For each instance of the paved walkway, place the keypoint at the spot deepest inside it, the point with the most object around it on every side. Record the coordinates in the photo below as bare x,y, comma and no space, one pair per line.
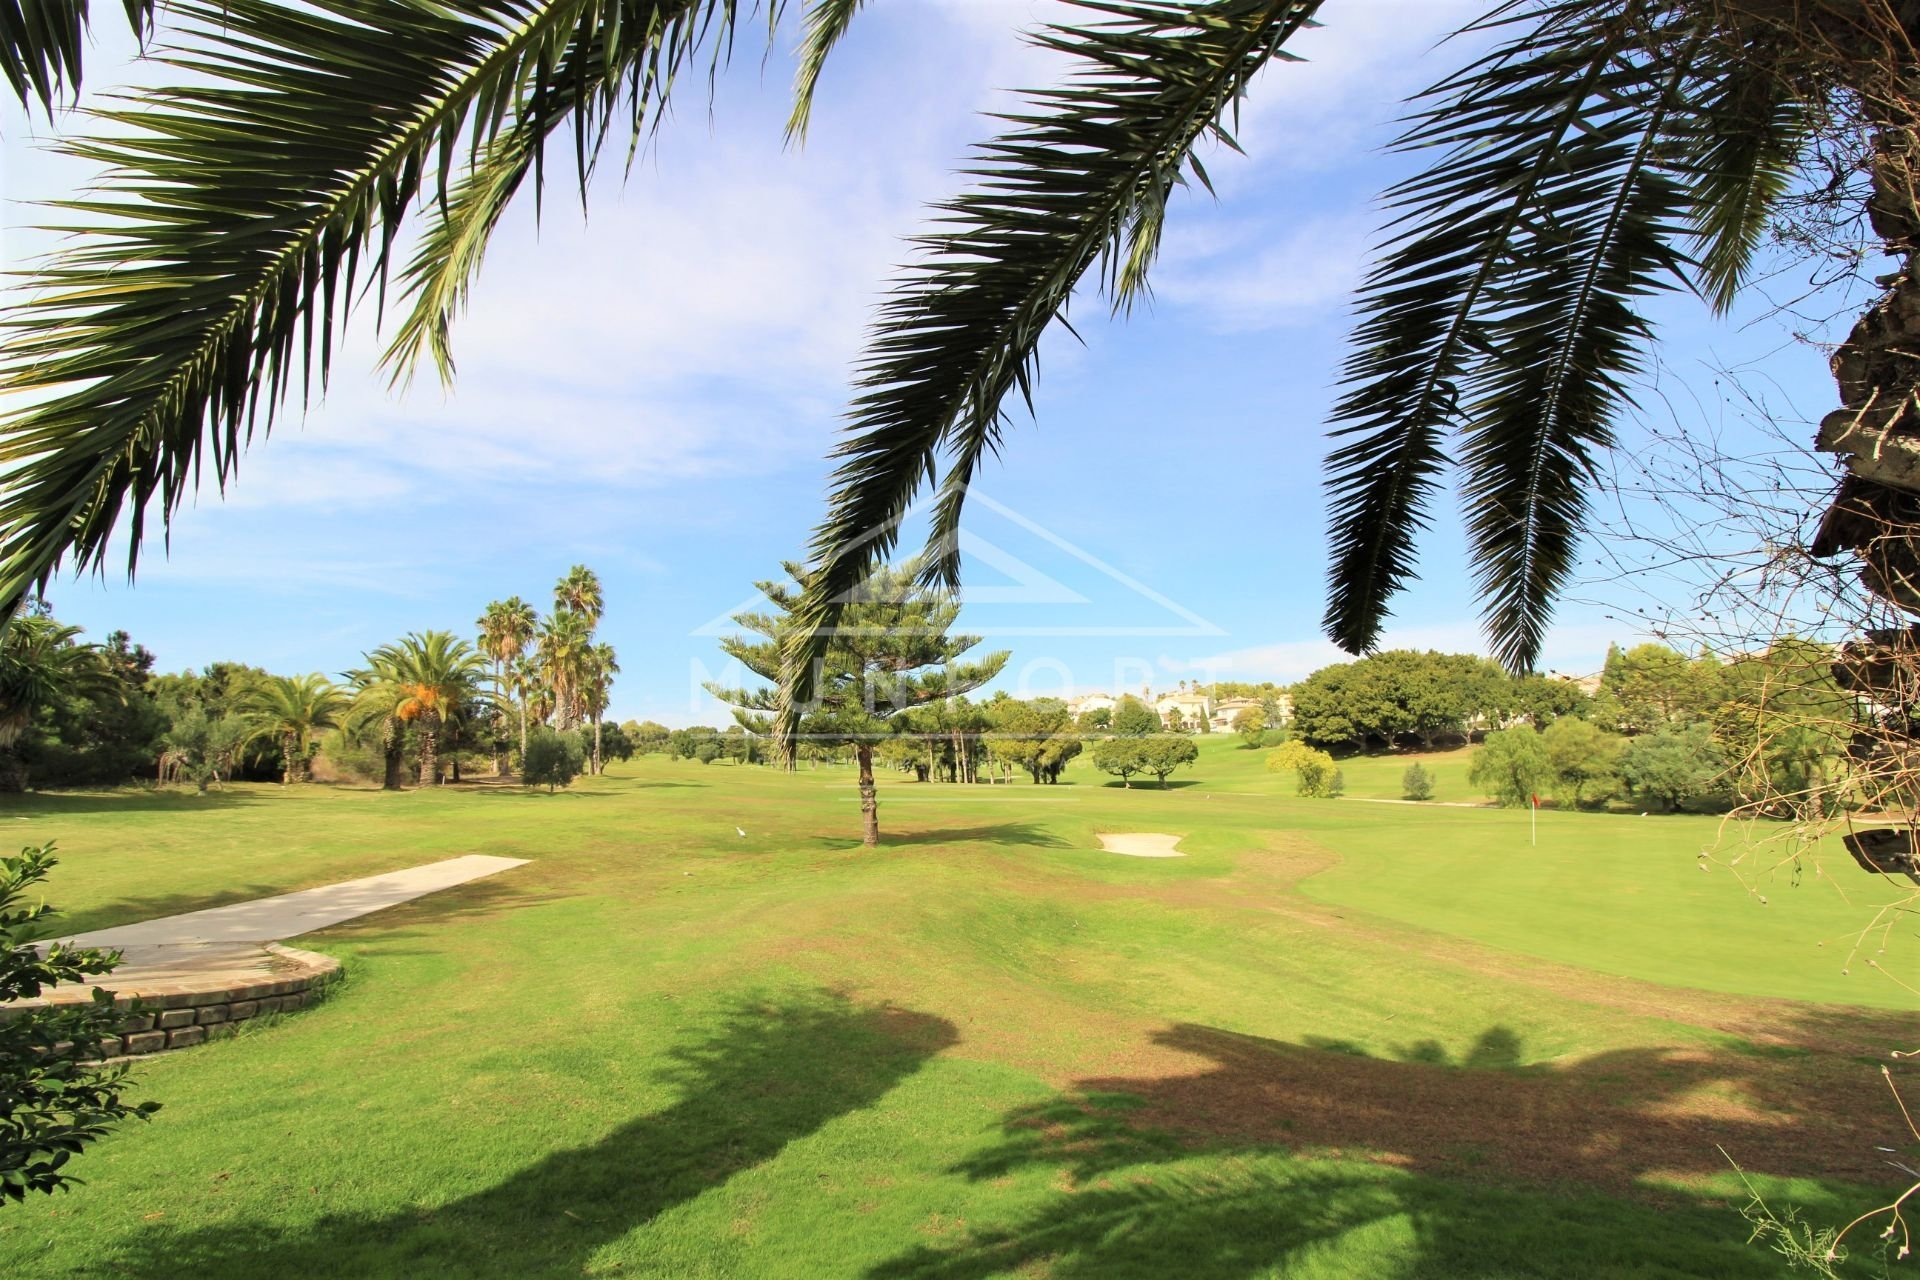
292,914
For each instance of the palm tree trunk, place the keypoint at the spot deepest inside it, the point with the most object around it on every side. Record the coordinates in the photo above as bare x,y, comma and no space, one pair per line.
396,753
290,754
13,770
429,753
869,798
599,765
523,731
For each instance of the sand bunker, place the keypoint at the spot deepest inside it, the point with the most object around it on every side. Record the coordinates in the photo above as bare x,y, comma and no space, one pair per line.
1141,844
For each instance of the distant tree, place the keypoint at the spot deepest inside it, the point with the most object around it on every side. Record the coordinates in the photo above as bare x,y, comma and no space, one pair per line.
1097,720
41,661
1651,686
1162,753
1674,767
563,660
1416,783
1121,755
579,592
1512,766
615,744
1542,700
1585,759
1132,718
100,733
507,629
58,1097
289,711
707,750
436,678
892,651
1036,735
600,666
1785,730
1315,773
649,737
552,760
203,747
1251,725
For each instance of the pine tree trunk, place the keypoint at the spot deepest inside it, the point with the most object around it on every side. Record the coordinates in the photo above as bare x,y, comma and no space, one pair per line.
429,754
869,798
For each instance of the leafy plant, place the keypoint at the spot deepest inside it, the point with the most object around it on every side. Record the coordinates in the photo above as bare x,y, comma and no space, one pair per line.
56,1097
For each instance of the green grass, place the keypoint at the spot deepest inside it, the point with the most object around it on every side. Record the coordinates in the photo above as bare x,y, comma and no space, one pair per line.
1339,1038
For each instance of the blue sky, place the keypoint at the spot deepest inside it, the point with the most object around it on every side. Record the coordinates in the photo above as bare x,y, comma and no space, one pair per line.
652,390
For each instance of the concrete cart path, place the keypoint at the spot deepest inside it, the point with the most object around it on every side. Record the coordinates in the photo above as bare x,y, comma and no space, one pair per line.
292,914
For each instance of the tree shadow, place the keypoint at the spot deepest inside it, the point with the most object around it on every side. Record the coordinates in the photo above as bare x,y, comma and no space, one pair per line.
152,906
480,899
1518,1153
1171,784
1028,834
59,804
772,1074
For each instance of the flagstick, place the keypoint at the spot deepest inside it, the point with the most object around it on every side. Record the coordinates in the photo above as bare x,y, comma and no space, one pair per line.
1533,820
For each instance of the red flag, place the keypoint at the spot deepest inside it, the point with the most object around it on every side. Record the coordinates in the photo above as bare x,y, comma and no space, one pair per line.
1536,800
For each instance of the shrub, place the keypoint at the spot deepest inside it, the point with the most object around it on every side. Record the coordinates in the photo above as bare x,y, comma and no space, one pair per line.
552,758
1512,767
55,1100
1316,774
1416,783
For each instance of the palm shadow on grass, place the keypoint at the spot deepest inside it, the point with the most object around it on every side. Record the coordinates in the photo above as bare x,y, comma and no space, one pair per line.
1469,1165
769,1075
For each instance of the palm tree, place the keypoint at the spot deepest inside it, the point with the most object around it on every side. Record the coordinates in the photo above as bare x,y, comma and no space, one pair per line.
377,695
290,710
580,593
41,661
436,677
506,629
1604,150
601,666
563,654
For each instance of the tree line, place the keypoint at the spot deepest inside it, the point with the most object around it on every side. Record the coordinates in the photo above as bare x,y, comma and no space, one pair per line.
528,694
1768,732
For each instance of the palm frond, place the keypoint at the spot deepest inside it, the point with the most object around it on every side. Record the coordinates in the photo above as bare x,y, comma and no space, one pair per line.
1080,179
827,22
592,89
1563,341
43,45
1504,128
209,275
1742,157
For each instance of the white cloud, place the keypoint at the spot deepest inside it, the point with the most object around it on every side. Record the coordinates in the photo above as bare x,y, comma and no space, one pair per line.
1244,276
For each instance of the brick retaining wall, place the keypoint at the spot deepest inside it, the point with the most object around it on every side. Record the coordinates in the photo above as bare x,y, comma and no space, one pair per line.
176,1012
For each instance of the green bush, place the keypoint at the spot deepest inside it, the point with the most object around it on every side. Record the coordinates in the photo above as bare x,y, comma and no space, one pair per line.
53,1100
1416,783
553,759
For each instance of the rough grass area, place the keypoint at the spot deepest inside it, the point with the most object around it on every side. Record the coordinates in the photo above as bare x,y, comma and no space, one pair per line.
1335,1039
